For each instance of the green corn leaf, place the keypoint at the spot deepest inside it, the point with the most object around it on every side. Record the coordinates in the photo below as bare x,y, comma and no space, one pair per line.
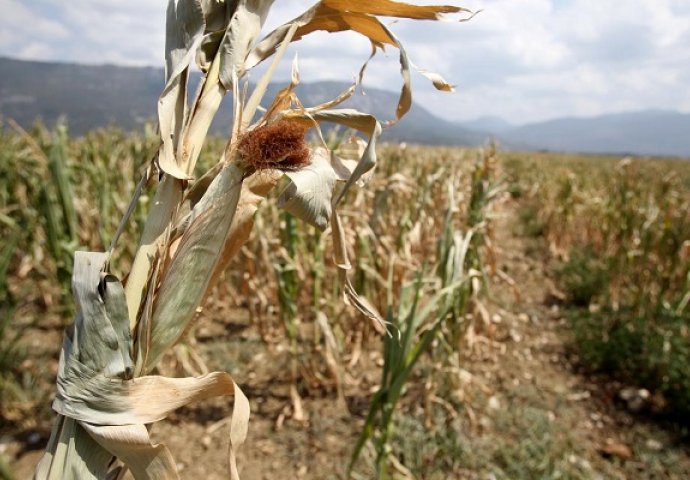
185,281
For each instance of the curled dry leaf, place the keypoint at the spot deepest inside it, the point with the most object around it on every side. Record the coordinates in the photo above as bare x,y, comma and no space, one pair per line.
309,194
185,26
102,410
360,17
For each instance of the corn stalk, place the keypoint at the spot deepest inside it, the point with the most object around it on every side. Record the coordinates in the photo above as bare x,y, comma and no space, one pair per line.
105,394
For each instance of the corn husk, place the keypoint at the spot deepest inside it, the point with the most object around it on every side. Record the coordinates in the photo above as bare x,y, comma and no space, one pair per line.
102,410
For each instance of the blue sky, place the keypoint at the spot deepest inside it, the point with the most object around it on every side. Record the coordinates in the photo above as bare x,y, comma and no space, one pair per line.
524,60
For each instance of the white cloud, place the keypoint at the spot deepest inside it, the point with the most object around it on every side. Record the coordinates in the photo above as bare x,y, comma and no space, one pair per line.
36,50
530,60
18,28
524,60
88,31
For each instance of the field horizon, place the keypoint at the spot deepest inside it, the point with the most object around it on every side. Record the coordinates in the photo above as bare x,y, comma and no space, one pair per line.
91,96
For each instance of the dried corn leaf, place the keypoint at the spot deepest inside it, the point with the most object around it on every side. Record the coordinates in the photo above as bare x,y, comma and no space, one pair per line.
389,8
186,279
285,97
260,90
347,156
72,453
254,191
309,194
132,445
184,26
354,119
90,396
108,348
96,395
360,17
124,435
342,15
322,18
439,82
342,261
344,95
242,30
184,29
217,15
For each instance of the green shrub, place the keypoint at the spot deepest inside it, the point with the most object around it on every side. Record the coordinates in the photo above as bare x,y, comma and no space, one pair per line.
653,353
584,276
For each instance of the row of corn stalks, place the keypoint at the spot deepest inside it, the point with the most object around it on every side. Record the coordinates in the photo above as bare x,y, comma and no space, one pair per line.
621,232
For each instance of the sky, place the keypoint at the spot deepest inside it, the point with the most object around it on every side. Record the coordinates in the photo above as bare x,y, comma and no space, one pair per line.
522,60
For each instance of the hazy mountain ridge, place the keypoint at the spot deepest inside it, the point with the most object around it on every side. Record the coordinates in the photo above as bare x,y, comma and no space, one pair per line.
95,96
90,96
490,123
649,132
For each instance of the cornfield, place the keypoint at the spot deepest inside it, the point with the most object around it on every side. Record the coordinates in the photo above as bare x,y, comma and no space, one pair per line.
620,232
197,222
412,291
277,300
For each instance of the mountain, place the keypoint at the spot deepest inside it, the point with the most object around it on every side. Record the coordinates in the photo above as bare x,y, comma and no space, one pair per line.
493,124
90,96
649,132
643,133
95,96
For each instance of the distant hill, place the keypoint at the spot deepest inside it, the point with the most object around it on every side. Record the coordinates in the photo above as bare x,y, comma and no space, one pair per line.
96,96
650,132
493,124
90,96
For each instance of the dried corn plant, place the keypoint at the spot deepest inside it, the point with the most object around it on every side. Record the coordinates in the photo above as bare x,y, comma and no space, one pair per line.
619,234
106,396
